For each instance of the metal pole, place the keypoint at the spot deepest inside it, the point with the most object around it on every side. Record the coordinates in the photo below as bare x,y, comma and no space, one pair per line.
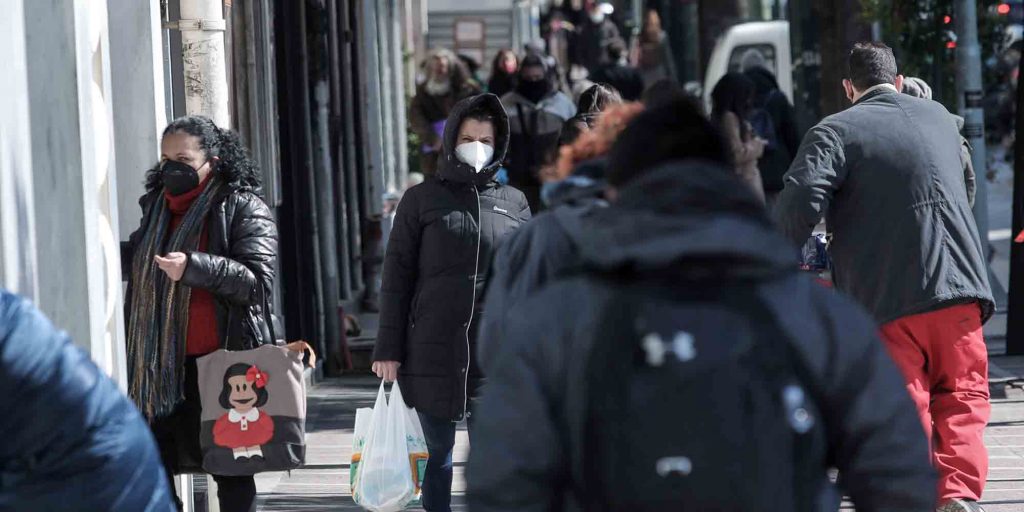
1015,303
968,79
202,29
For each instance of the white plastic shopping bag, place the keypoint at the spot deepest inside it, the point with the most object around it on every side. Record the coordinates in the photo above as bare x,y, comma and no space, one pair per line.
416,443
382,474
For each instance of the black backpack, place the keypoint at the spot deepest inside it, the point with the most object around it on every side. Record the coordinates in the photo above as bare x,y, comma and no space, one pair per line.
696,401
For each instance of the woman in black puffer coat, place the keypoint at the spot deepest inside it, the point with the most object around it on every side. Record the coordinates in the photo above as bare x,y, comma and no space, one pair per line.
200,272
434,274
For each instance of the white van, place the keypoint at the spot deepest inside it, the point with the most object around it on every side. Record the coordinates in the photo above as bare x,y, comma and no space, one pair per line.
771,38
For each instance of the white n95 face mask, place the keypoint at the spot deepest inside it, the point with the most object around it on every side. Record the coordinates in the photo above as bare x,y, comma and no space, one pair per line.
474,154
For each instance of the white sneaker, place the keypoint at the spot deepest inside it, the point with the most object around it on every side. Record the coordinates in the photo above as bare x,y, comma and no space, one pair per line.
958,505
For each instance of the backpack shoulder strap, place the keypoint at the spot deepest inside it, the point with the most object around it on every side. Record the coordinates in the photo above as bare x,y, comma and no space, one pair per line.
609,354
793,380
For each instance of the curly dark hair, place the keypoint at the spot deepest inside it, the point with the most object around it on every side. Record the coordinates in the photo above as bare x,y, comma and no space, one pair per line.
237,370
236,167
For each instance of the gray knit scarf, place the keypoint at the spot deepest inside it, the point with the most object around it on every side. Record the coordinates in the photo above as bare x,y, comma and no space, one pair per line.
158,323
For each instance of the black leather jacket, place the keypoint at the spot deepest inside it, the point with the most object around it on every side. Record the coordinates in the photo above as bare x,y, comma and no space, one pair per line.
237,267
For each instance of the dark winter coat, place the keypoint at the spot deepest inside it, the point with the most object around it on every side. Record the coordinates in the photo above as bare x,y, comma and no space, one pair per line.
887,175
543,250
534,128
72,440
435,270
626,79
237,267
528,440
591,43
776,160
501,83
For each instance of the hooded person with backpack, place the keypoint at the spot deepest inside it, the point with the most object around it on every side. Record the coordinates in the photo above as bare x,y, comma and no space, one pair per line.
689,365
434,275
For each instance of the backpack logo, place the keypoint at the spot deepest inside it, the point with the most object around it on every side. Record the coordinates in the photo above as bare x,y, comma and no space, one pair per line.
656,348
669,465
499,210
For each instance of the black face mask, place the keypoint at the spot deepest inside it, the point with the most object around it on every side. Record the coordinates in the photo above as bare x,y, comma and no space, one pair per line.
178,177
534,90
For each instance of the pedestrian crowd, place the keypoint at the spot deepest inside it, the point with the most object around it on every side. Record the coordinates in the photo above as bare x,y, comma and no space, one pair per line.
604,286
634,299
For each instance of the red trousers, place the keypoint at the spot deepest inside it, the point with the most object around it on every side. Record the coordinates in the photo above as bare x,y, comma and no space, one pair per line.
944,360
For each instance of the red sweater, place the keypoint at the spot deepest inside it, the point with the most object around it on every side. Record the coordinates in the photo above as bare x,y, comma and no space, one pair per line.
202,337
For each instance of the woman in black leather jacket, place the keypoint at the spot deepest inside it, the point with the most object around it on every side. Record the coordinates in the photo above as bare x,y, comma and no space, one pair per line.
200,272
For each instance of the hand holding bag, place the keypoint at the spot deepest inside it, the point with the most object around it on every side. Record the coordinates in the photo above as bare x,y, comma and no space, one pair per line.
385,473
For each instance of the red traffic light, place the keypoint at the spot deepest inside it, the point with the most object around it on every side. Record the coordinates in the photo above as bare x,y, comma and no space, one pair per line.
946,19
951,44
1003,9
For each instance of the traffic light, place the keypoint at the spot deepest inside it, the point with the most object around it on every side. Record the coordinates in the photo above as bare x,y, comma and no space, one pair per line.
947,22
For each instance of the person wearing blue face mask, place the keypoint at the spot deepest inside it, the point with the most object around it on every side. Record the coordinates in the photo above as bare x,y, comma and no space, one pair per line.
200,272
435,271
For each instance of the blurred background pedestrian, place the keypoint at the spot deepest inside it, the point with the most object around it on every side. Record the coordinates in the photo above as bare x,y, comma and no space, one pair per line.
595,32
618,73
536,111
597,99
503,73
731,101
651,51
446,83
774,120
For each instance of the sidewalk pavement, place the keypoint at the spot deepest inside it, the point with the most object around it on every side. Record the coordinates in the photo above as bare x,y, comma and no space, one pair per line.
322,484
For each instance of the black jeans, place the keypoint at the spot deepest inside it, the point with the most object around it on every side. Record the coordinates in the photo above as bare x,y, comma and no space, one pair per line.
177,435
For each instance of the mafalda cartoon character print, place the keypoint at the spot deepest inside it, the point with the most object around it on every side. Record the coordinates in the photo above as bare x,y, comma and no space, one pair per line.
244,428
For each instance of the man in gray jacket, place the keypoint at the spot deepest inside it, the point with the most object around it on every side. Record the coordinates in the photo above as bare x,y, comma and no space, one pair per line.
887,176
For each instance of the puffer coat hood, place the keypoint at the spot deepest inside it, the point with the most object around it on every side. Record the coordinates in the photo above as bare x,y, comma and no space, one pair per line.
450,167
690,211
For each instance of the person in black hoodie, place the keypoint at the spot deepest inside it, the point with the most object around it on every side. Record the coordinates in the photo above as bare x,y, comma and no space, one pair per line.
536,111
680,224
617,73
435,270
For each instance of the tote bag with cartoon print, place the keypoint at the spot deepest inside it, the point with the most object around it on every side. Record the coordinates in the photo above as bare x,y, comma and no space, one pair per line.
254,410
